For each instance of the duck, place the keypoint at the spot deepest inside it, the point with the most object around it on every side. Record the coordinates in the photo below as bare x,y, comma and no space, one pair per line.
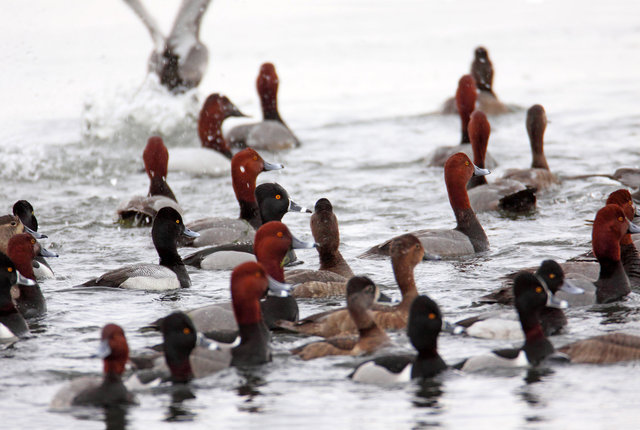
139,210
245,168
465,100
272,133
538,176
482,72
502,325
24,210
23,248
212,158
11,225
468,237
12,323
105,392
504,195
179,60
331,279
604,349
530,296
271,243
423,328
273,202
361,294
169,274
406,253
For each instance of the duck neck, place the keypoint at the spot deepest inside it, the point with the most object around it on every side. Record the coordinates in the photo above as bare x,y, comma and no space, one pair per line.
254,345
170,259
426,366
613,283
371,329
210,132
539,161
269,104
403,272
159,187
180,366
114,367
244,186
536,128
331,259
468,223
536,346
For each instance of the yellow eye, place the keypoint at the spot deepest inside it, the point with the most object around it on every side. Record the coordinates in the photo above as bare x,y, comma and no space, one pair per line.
552,276
630,202
466,163
620,219
432,316
186,330
257,275
279,234
278,197
255,158
538,289
177,221
9,269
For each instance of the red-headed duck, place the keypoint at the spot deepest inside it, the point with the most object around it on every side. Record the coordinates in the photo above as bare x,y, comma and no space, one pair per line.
245,168
24,210
468,237
273,202
272,133
212,158
141,210
108,391
12,320
538,176
23,248
465,100
503,194
406,252
361,294
531,296
423,328
179,60
169,274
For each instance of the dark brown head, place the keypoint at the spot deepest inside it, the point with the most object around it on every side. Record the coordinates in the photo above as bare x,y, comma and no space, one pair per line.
466,96
609,227
267,85
22,249
179,339
361,294
246,165
482,70
249,284
215,110
156,157
406,250
113,349
536,126
9,226
324,226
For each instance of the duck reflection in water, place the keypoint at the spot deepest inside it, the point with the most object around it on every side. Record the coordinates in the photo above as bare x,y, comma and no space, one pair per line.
177,410
428,394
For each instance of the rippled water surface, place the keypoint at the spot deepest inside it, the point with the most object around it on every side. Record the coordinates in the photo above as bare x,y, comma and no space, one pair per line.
359,84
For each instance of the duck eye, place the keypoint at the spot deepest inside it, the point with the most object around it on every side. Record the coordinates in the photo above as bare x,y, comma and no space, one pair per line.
278,196
552,276
279,234
620,219
538,289
13,223
255,158
257,274
9,269
466,163
177,221
432,316
33,241
186,330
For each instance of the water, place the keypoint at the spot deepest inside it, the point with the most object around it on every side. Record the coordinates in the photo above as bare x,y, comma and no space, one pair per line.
359,83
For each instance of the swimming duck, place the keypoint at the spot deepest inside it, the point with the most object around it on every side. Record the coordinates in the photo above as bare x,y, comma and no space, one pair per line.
406,253
538,176
12,323
468,237
531,296
361,294
169,274
608,348
465,100
503,194
212,158
179,60
272,133
23,210
501,325
245,168
273,202
23,248
423,328
108,391
140,210
11,225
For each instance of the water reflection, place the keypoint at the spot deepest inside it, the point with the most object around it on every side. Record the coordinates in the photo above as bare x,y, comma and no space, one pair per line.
428,393
249,389
177,411
616,313
115,418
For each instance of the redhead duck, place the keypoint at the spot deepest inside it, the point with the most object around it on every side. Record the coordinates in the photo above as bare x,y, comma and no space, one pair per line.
138,210
465,100
212,158
538,176
179,60
331,279
12,323
608,348
273,202
271,244
468,237
498,325
361,294
23,210
423,328
108,391
169,274
503,194
245,168
23,248
531,296
272,133
406,253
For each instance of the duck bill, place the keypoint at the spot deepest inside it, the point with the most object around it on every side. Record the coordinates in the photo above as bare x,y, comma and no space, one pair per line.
298,244
104,350
44,252
569,288
479,171
554,302
294,207
23,280
272,166
190,233
35,233
278,289
237,112
203,342
633,228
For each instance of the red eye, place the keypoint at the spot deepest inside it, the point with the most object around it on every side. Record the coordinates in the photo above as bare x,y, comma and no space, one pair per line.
278,197
279,234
